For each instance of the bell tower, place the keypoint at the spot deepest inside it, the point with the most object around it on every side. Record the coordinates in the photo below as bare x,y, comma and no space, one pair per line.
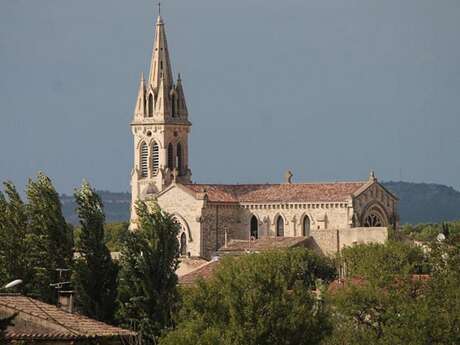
160,127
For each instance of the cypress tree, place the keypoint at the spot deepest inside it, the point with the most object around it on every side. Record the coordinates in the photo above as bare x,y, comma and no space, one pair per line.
52,236
147,284
15,241
95,274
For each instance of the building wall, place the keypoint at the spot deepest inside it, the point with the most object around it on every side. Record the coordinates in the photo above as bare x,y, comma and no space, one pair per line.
321,215
218,222
331,241
187,211
376,198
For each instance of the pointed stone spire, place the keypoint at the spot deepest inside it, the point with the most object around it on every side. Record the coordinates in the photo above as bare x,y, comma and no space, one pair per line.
181,104
160,64
163,104
139,110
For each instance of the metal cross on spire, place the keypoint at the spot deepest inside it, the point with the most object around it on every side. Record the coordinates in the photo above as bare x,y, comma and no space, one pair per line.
159,8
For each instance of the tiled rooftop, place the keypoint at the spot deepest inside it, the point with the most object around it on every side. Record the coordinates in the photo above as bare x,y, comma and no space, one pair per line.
263,244
38,320
204,272
295,192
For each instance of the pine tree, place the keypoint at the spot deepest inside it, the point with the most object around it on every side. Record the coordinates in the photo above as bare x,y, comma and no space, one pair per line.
52,236
15,241
147,284
95,274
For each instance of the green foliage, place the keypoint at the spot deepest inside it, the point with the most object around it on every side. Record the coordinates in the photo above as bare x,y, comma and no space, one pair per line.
428,232
381,262
95,274
259,299
15,240
147,284
114,235
401,309
51,235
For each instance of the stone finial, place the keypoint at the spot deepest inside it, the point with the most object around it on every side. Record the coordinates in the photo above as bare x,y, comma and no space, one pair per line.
175,174
372,176
288,177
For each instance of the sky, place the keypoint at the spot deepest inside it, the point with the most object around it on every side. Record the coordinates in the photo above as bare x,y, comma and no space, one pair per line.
327,88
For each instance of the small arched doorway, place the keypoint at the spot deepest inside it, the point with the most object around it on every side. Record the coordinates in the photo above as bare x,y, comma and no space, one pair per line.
183,244
306,226
254,227
280,227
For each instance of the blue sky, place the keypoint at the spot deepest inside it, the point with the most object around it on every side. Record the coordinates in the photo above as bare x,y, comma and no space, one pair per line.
327,88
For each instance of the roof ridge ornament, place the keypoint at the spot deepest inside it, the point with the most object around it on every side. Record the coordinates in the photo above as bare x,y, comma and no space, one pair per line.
288,177
372,176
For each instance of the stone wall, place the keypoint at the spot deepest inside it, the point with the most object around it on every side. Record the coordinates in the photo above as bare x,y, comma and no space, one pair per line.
218,220
187,211
376,198
321,215
329,242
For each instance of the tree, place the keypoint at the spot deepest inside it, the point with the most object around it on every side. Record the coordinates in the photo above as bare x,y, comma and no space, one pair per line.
95,274
52,236
147,282
402,308
4,324
14,238
381,262
258,299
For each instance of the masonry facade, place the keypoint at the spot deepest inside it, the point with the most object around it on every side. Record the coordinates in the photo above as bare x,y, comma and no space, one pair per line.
331,214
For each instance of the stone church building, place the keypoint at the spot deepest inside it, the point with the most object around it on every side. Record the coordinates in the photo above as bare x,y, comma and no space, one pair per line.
331,215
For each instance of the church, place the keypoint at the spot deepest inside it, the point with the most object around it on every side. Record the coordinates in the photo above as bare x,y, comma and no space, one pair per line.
330,215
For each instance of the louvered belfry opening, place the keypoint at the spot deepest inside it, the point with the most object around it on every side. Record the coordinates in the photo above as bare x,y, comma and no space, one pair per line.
155,158
144,160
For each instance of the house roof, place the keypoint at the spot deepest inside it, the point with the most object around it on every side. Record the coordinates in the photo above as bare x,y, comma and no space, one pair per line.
204,272
38,320
262,244
287,192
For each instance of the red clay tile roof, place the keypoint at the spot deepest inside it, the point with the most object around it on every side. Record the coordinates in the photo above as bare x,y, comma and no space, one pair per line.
295,192
263,244
204,272
38,320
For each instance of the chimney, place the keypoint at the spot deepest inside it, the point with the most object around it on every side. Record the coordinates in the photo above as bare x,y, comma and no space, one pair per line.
66,301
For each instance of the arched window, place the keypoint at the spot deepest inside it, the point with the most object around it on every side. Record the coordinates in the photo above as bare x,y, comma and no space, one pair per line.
280,227
183,244
254,227
144,154
170,156
306,226
150,110
179,158
373,219
155,158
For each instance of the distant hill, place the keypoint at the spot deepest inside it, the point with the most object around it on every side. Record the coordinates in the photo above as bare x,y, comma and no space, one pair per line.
116,207
426,202
419,203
